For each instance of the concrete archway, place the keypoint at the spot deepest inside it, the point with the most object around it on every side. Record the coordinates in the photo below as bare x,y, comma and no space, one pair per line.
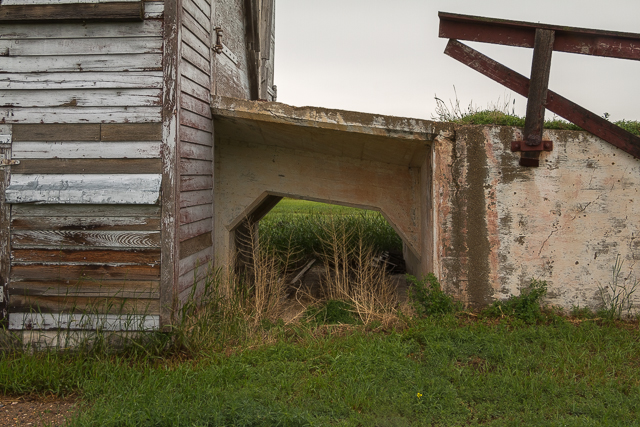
266,151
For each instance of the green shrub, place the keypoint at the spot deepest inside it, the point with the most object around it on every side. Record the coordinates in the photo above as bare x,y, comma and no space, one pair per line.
428,298
525,306
332,312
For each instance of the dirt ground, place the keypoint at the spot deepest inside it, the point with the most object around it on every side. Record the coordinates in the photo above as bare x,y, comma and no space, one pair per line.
35,411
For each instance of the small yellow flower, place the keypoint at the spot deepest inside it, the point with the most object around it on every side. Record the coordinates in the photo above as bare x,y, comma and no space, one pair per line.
419,395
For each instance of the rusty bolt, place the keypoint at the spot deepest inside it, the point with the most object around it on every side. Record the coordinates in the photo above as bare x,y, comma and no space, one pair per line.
547,145
517,146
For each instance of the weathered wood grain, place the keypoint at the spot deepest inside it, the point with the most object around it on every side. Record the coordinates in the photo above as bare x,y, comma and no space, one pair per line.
205,7
88,272
194,42
83,46
87,150
84,288
195,59
187,231
41,2
56,132
195,151
53,64
5,215
195,245
197,136
92,223
195,105
84,189
80,98
100,80
194,198
131,132
195,167
95,256
193,73
111,11
80,115
30,210
147,28
195,182
102,239
92,305
196,121
195,90
64,322
192,278
199,16
195,213
153,9
199,259
88,166
196,29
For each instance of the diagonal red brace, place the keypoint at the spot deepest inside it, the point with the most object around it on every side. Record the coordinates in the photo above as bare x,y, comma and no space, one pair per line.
570,111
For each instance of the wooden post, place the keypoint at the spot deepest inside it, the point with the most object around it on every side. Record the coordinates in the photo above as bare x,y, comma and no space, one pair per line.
536,101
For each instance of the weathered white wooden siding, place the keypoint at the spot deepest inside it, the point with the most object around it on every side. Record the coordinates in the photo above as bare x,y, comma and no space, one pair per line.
84,104
195,167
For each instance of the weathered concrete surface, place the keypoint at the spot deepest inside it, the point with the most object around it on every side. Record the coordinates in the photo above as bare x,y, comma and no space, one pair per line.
498,225
369,161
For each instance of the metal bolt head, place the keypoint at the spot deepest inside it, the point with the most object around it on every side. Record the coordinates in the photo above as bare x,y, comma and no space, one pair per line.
517,146
547,145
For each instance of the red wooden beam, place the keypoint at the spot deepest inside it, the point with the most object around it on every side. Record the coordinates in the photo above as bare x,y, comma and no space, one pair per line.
571,111
612,44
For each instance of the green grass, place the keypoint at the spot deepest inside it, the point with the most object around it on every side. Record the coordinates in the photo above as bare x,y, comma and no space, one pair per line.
439,371
302,227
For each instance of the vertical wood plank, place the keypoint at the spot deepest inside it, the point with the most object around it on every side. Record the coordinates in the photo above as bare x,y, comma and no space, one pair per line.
170,129
5,250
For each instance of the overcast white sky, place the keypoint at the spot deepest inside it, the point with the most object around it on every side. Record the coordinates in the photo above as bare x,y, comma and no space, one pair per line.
384,56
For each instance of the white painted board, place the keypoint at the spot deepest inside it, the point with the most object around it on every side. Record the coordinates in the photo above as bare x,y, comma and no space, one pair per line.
63,321
86,150
107,189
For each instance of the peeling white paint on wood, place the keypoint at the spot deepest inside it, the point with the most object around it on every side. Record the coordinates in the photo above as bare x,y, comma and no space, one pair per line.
102,239
85,189
43,2
63,321
84,46
147,28
80,98
82,115
153,9
114,62
103,80
87,150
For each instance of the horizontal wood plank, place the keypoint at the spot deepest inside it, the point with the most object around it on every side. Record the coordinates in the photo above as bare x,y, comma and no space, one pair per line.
95,305
89,80
84,46
196,29
114,189
56,132
82,63
195,90
195,213
195,245
147,28
84,288
195,182
87,150
87,272
195,59
89,256
153,9
193,229
197,136
195,151
196,121
194,198
100,211
80,98
79,115
199,16
199,259
104,239
112,11
196,167
88,166
80,223
188,102
131,132
66,322
195,74
195,43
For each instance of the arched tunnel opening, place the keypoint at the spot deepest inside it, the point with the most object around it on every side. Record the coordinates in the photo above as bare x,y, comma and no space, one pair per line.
320,240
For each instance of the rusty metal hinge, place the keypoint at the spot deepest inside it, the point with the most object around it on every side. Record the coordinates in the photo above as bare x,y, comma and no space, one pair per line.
217,47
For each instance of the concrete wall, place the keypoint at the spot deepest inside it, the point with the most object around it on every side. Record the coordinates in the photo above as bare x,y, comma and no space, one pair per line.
498,225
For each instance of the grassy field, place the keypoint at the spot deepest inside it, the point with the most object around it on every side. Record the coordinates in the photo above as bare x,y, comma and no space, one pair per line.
234,361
